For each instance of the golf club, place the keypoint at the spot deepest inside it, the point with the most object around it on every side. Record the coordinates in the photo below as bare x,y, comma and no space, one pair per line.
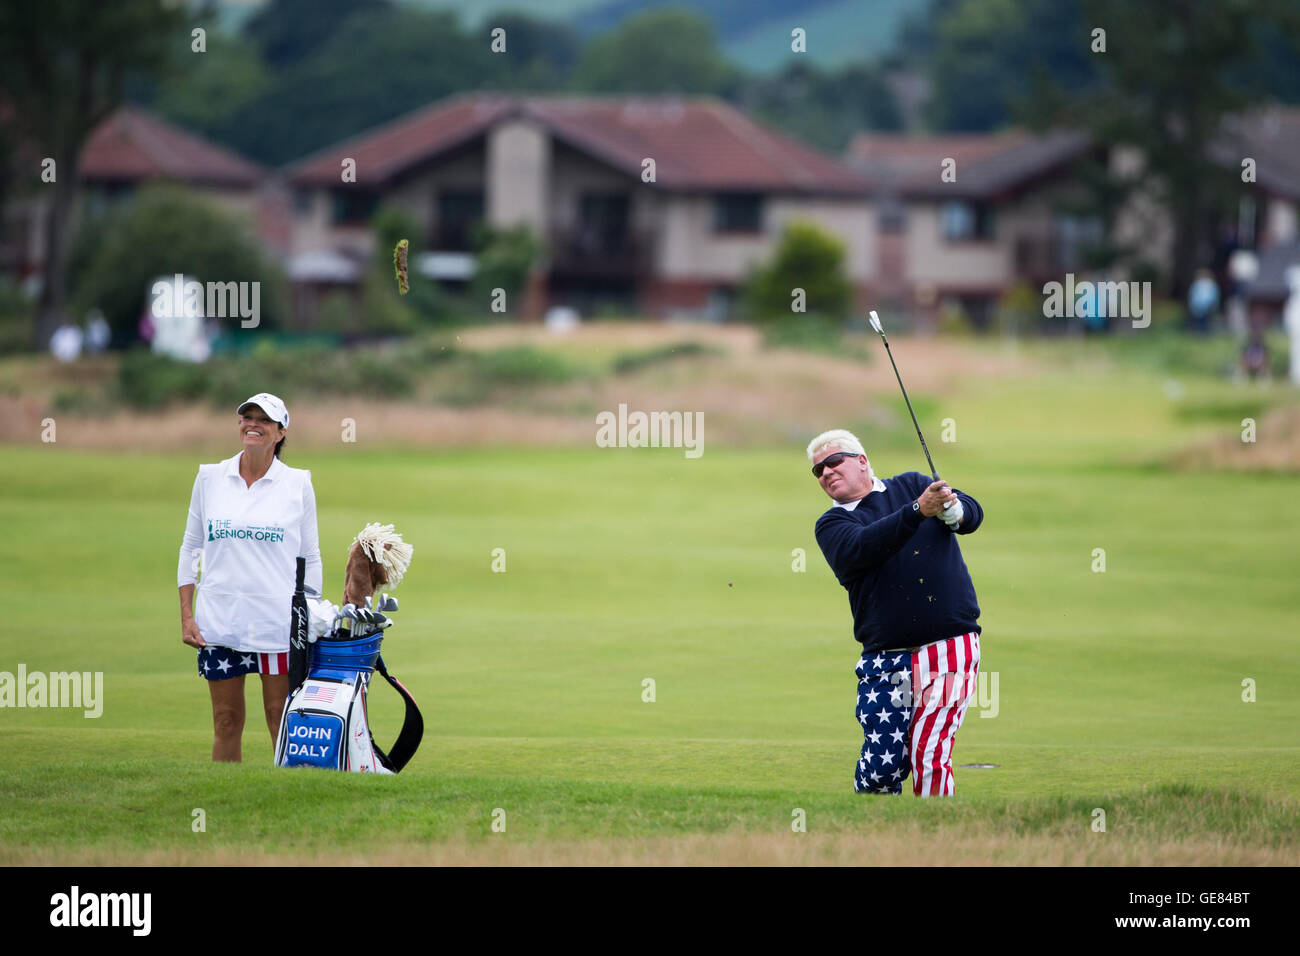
349,615
372,623
875,324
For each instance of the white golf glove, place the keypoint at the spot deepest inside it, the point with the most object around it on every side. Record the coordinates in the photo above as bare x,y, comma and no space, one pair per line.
321,615
951,516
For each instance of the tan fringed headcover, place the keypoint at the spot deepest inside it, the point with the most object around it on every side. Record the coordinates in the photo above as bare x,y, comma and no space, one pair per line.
377,560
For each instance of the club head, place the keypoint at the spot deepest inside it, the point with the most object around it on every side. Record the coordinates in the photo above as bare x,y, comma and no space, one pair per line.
388,604
374,625
875,323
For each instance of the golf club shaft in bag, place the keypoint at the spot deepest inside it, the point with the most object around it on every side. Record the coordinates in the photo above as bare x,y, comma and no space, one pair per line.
298,626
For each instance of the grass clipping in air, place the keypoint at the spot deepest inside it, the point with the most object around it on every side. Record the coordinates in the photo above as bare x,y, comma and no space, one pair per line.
399,266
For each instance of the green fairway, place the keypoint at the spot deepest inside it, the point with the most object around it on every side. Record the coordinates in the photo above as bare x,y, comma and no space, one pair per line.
1120,690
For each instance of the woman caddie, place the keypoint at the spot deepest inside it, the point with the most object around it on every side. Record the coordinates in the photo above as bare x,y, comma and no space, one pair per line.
250,518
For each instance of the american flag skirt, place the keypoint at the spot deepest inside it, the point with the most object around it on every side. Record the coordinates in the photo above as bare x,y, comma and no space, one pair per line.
220,663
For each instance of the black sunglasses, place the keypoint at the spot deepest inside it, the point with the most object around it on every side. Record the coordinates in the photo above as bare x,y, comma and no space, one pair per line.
830,461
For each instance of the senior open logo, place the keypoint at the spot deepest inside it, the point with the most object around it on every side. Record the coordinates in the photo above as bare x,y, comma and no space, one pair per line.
222,529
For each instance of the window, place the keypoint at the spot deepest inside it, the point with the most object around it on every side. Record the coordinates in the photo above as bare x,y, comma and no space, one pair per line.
459,212
738,212
964,221
607,212
353,208
891,217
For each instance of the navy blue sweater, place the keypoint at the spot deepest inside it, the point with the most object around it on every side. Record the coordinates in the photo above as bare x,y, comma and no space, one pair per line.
904,572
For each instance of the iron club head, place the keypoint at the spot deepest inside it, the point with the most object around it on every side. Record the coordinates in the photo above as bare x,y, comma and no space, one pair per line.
875,323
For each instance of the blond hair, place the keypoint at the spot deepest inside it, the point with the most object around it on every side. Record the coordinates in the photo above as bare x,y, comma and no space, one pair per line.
846,440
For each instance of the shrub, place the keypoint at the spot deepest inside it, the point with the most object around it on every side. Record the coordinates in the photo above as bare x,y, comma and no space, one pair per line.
505,258
148,381
807,258
1020,311
339,314
382,310
812,333
953,320
161,232
523,365
636,361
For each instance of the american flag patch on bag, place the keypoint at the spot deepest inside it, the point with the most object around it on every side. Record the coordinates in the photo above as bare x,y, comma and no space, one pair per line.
320,693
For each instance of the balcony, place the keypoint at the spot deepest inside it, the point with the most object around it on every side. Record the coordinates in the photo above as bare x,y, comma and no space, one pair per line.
586,252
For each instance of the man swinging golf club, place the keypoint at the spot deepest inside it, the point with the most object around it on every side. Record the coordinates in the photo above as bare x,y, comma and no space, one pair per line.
892,546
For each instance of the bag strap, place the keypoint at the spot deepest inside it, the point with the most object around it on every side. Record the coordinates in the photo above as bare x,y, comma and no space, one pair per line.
408,738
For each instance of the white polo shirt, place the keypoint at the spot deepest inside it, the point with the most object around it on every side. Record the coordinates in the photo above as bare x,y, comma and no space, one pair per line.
876,485
250,538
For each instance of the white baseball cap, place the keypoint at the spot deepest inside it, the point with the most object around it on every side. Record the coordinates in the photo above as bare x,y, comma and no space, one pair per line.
269,404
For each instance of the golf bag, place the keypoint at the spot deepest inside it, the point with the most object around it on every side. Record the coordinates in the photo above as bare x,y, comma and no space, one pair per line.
326,722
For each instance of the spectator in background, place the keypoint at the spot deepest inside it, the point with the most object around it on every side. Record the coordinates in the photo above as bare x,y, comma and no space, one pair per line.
65,343
1202,301
98,334
1254,357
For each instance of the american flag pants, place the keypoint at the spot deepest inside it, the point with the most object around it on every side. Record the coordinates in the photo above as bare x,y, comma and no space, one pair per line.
910,706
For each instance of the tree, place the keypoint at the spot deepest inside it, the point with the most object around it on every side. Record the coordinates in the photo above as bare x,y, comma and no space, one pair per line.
375,67
1173,72
824,108
63,65
665,50
540,54
211,96
287,31
992,58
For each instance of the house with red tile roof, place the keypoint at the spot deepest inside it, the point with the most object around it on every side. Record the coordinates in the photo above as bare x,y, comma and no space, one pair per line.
132,147
966,217
658,205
